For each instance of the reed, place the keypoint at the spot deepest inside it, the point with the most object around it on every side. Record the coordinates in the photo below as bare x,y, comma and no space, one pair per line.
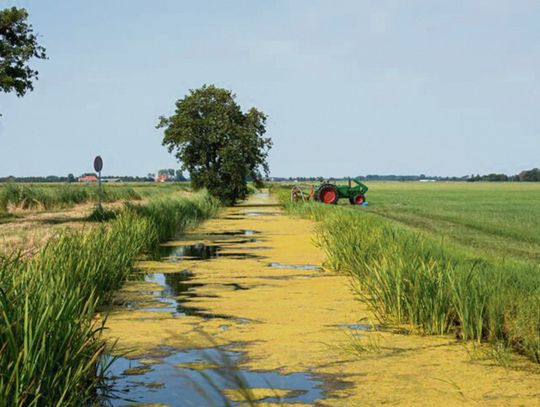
28,196
408,277
50,343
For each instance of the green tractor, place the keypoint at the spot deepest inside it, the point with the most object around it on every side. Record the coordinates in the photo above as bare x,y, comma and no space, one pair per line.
330,193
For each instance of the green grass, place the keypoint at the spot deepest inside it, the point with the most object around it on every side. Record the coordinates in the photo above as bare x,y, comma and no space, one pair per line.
499,219
434,282
50,346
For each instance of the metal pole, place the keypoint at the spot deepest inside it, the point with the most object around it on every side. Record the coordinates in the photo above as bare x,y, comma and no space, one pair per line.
100,190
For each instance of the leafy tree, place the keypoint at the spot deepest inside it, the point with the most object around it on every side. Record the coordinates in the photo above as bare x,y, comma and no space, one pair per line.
530,175
218,144
71,178
18,44
180,176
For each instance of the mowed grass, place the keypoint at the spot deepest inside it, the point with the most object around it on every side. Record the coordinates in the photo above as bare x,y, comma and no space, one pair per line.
432,278
495,219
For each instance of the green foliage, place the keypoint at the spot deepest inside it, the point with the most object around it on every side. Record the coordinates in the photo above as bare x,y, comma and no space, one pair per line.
218,144
50,345
18,44
530,176
407,277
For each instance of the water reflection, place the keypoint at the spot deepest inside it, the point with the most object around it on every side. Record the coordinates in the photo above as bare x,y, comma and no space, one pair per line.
199,377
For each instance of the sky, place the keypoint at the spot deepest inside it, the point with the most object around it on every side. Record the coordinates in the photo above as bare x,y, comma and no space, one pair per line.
351,87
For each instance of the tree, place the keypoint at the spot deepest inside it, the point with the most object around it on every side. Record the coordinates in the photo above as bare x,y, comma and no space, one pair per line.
530,175
218,144
71,178
180,176
18,44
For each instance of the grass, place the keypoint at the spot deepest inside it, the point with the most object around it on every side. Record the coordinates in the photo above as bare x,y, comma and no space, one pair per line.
55,196
50,345
433,282
497,219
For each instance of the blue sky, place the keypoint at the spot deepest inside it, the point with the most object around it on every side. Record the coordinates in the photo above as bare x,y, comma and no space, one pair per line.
351,87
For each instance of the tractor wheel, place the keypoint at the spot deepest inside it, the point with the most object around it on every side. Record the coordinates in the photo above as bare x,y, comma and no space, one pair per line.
357,200
328,194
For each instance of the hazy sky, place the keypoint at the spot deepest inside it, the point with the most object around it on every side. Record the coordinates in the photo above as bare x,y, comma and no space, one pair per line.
351,87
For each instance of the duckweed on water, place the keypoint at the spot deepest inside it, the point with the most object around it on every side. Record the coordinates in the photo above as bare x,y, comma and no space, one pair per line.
409,278
51,345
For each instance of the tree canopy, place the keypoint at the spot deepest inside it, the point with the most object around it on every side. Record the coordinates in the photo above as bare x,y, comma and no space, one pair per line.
219,145
18,44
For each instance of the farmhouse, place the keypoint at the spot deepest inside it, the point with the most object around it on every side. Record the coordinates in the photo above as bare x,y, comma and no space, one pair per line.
88,178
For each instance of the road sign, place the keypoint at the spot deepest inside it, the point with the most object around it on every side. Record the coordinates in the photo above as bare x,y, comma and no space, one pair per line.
98,164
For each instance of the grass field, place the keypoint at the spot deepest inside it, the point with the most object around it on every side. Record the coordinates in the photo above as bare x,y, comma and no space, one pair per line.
499,219
442,258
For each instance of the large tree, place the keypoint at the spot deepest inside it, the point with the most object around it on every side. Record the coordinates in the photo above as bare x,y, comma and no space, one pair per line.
219,145
18,44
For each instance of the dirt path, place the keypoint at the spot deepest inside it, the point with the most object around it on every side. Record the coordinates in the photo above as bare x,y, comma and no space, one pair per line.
249,284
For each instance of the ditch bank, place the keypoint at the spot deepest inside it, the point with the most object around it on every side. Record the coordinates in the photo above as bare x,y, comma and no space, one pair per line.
242,303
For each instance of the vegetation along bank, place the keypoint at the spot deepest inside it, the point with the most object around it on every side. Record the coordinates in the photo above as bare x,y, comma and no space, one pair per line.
51,346
410,278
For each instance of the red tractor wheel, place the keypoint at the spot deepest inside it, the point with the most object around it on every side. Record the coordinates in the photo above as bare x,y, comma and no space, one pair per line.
357,200
328,194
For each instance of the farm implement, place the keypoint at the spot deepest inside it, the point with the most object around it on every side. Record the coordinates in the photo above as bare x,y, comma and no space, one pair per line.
330,193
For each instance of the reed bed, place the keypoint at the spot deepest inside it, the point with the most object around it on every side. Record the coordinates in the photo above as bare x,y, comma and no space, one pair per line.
50,344
28,196
408,277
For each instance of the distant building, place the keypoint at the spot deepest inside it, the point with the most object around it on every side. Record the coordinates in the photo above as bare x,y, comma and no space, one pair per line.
163,178
88,178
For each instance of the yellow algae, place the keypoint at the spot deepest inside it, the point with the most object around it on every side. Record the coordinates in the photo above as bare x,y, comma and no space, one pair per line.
135,371
150,361
197,365
281,403
255,394
292,320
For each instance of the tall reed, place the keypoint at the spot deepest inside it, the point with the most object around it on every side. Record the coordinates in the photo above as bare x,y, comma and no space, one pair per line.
58,196
410,278
50,343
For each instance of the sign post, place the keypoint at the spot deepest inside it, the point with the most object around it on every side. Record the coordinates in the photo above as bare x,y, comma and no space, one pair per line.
98,166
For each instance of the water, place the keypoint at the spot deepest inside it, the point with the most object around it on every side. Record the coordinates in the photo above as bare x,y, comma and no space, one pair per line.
178,289
198,377
360,327
294,266
202,251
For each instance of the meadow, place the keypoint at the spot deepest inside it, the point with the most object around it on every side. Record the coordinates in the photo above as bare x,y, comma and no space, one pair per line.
51,350
449,258
496,219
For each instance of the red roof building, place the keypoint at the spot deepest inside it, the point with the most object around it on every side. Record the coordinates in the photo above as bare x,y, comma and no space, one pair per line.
88,178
